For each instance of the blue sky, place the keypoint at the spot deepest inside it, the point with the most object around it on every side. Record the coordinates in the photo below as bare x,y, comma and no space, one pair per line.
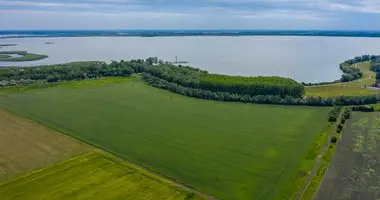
190,14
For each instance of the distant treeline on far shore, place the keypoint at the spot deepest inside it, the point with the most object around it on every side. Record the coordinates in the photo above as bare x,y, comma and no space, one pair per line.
182,33
190,81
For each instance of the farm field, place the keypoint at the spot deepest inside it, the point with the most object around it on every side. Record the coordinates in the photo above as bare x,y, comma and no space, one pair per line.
354,171
92,176
227,150
26,146
354,88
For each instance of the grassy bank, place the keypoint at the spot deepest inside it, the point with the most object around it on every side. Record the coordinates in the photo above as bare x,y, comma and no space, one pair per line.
25,56
227,150
5,56
7,45
353,88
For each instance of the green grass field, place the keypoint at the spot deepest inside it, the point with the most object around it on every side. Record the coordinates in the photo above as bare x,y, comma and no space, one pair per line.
92,176
354,88
227,150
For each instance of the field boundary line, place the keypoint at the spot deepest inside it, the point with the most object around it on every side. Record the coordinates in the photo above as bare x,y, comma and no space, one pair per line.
47,168
318,160
141,167
89,157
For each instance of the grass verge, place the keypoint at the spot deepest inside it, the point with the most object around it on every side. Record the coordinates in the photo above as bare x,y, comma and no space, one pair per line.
354,88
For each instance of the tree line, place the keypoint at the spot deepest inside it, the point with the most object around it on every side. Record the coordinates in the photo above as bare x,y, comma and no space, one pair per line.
260,99
251,85
186,81
65,72
334,113
375,66
199,79
350,71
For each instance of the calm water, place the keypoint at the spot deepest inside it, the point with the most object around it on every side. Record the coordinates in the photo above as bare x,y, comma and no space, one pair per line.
308,59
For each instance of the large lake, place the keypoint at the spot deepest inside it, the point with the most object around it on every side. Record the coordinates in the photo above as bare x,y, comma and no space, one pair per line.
308,59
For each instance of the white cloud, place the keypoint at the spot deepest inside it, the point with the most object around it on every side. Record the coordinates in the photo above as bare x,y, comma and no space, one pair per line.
363,6
42,3
208,14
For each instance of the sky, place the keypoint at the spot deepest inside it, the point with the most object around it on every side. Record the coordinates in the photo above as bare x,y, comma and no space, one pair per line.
190,14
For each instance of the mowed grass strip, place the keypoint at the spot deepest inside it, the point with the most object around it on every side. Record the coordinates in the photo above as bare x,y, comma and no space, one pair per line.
26,146
92,176
227,150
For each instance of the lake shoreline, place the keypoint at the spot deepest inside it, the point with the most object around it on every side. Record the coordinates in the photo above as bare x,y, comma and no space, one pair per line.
305,59
183,33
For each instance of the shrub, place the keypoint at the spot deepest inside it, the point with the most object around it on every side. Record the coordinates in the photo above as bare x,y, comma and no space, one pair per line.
346,114
334,113
363,108
334,140
340,126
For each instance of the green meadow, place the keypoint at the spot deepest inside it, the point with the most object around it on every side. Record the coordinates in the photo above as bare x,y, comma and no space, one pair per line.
227,150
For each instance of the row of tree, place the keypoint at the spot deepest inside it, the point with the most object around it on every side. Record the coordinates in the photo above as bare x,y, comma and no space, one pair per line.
363,108
334,113
69,71
375,66
261,99
251,85
350,71
198,79
187,81
186,76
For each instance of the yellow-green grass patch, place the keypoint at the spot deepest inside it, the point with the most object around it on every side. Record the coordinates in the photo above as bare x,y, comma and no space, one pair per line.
92,176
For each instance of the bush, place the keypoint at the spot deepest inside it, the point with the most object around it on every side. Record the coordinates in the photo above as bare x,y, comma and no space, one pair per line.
334,113
340,127
346,114
342,121
334,140
338,131
363,108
